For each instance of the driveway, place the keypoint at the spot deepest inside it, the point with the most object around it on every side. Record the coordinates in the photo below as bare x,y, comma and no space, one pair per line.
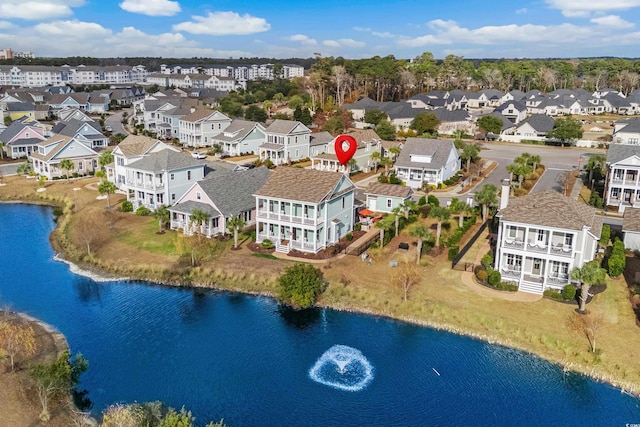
9,169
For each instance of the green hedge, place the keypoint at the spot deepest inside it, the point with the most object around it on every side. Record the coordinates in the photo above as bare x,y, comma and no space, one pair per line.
453,252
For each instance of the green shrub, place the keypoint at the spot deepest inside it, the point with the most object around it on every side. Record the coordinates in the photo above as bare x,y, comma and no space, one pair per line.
142,211
357,227
507,286
605,235
126,206
74,175
482,275
267,244
300,285
487,261
494,278
453,252
422,201
433,200
553,294
569,292
349,237
616,265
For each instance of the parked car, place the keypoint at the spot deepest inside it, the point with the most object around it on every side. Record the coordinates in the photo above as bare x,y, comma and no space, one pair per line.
108,128
198,155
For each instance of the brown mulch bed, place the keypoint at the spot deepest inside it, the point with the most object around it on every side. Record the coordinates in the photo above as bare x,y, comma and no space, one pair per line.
255,247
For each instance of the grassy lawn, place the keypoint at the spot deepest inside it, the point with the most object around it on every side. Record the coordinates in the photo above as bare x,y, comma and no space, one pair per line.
145,237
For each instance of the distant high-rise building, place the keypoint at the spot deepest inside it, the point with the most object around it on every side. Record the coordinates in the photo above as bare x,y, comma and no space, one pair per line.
6,54
24,54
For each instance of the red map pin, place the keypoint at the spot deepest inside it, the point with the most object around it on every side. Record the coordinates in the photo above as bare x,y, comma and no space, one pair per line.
345,154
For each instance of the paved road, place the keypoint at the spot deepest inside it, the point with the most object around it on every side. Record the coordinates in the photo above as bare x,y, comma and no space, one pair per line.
114,121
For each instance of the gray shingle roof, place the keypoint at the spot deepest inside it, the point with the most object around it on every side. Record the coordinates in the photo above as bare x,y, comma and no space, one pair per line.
189,206
71,127
552,209
12,131
617,152
21,106
540,122
438,149
320,138
232,192
445,115
283,127
165,160
242,127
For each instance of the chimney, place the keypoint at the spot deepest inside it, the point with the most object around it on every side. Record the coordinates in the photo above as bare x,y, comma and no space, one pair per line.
504,193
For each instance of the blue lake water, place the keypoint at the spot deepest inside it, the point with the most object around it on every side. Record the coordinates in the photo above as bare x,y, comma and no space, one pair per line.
247,360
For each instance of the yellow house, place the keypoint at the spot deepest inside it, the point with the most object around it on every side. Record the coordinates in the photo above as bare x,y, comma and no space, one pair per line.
17,110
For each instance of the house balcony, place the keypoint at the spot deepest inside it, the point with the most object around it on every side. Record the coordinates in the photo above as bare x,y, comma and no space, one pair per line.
263,214
145,185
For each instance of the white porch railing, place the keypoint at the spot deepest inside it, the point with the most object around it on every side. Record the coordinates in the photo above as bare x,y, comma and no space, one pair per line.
289,218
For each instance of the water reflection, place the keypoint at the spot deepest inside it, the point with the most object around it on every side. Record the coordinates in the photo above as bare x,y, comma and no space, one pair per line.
300,319
87,290
197,308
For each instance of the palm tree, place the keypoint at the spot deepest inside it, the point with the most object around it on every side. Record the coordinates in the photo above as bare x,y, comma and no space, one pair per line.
587,275
407,206
470,153
235,224
521,170
198,217
375,157
396,212
395,150
108,188
442,214
105,158
352,164
162,215
458,207
487,196
535,160
67,164
423,234
387,163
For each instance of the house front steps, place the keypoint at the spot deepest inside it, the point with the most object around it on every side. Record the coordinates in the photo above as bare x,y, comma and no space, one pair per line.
283,246
532,288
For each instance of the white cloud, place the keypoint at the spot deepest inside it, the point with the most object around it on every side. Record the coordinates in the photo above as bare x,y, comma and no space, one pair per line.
224,23
612,21
5,25
449,32
522,11
331,43
363,29
385,35
343,43
303,39
151,7
583,8
78,38
37,9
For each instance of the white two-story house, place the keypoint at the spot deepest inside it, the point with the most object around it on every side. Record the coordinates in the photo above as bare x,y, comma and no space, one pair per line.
542,237
427,161
131,149
221,197
304,209
367,141
198,128
285,141
622,187
161,178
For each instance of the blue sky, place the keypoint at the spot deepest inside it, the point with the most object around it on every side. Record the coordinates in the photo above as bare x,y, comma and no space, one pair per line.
348,28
